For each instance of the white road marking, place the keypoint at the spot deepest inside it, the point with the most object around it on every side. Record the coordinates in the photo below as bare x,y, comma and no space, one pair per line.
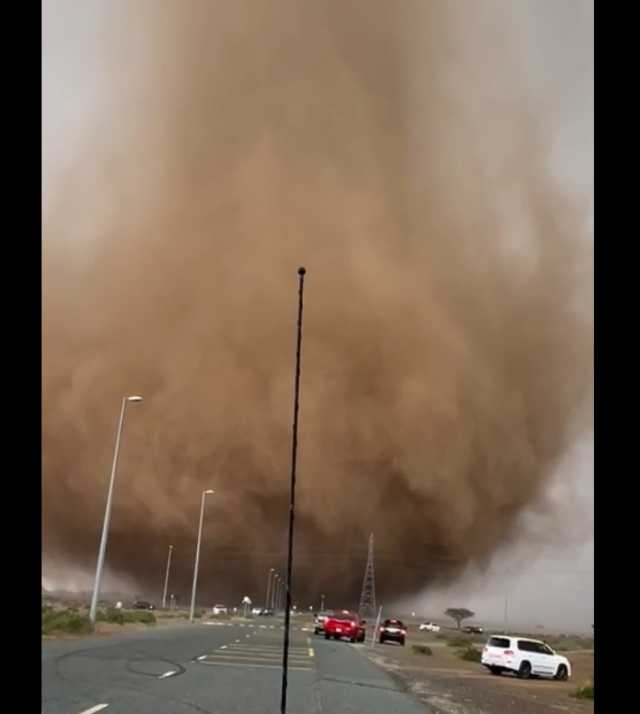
237,640
97,708
202,657
254,664
247,635
271,627
167,674
263,627
223,647
242,625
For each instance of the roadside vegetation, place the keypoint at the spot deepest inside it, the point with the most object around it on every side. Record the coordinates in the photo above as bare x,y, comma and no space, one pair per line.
122,617
584,692
469,653
421,649
66,621
75,620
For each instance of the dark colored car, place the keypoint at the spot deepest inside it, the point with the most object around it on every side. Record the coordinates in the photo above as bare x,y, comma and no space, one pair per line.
143,605
473,630
344,623
392,631
266,613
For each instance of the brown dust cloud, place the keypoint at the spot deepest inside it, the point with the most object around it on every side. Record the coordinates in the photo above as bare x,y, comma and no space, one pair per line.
394,150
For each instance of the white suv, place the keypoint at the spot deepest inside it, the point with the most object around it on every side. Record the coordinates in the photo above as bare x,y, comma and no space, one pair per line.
525,657
429,627
219,610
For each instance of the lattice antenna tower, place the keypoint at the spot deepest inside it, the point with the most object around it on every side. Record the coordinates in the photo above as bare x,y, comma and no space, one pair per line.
368,596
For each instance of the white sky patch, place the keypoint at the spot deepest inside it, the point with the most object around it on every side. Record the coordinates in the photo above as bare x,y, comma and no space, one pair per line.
546,576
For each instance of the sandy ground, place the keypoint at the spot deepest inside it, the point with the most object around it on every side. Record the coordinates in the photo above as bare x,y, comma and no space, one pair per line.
453,686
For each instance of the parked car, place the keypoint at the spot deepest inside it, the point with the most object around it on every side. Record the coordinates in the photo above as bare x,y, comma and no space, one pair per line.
143,605
473,630
219,610
392,631
266,613
344,623
319,620
525,657
429,627
256,611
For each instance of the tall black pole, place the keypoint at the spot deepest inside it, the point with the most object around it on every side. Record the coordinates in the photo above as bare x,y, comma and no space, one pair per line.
292,497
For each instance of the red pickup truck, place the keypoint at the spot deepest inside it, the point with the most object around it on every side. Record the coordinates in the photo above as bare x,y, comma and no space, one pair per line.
344,623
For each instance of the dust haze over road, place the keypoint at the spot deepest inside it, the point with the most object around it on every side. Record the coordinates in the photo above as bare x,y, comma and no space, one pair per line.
195,154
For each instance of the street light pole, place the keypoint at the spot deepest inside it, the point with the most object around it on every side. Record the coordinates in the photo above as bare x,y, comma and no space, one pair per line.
195,567
166,580
321,603
107,512
274,591
266,598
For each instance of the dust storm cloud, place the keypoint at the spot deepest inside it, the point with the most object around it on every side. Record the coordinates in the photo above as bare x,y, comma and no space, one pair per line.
392,149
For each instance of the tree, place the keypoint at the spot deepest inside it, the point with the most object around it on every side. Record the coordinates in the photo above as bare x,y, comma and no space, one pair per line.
459,614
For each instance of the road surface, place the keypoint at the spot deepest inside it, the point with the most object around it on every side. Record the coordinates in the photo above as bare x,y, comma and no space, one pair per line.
214,669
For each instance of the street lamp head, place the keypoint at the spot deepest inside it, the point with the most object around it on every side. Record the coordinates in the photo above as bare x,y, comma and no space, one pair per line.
134,398
209,490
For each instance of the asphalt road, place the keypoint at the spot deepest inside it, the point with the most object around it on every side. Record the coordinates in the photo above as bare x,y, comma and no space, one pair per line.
214,669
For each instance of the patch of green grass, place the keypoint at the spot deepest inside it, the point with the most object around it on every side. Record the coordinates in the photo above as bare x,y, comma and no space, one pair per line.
65,621
458,641
469,653
143,616
421,649
584,692
120,617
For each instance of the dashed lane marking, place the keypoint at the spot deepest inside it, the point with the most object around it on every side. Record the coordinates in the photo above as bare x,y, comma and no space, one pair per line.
170,673
97,708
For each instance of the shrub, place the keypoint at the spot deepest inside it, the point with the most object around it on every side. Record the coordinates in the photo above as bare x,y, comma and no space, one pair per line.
584,692
115,616
421,649
459,642
65,621
470,653
147,618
